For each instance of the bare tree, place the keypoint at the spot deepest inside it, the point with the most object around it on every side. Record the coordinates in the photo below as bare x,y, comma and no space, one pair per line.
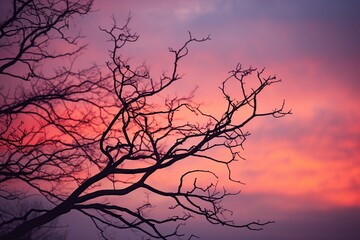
86,140
29,30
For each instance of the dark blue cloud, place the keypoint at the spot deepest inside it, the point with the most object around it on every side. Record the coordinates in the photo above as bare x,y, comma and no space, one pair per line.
334,224
284,10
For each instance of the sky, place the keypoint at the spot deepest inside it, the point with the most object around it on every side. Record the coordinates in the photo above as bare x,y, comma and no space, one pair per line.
301,171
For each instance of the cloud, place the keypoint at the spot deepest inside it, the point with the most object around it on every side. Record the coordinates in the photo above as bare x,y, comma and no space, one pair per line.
191,10
295,224
309,159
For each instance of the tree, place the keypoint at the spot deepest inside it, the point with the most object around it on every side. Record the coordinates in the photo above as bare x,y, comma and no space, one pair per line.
85,140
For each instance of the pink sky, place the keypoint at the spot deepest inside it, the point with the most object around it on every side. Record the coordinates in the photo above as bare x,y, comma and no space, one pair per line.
302,171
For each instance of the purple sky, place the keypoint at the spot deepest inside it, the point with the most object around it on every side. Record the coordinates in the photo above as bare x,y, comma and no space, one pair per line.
302,171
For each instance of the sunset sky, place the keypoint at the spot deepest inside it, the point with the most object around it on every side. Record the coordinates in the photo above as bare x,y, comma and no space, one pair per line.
301,171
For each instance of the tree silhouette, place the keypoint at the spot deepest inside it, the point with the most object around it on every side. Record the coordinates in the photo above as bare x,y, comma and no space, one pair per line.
92,139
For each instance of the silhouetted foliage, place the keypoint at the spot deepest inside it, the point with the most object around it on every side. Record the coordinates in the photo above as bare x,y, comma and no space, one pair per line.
86,140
